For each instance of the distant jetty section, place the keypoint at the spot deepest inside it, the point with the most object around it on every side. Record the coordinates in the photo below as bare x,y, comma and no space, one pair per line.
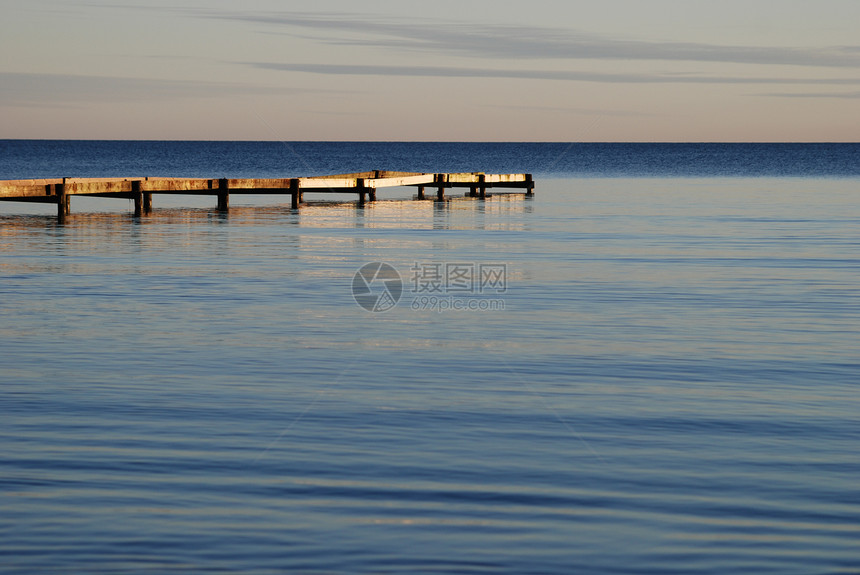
364,184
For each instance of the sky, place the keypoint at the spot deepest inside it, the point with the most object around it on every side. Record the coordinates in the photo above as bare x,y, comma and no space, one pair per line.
466,70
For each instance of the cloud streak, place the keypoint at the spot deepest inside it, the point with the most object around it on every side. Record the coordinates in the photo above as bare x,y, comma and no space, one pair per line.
575,110
533,74
835,95
521,42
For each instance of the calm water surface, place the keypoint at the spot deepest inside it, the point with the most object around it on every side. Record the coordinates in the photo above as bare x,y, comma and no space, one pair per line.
672,385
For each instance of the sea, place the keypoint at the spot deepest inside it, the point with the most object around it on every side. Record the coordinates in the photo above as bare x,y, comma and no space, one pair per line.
650,366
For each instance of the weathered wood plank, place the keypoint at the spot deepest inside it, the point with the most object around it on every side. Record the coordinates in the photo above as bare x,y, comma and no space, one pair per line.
505,178
179,185
27,191
393,181
331,184
501,180
350,176
392,174
12,184
373,174
282,184
462,178
96,180
84,187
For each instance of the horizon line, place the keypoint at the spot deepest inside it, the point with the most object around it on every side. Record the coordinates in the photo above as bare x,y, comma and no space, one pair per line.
347,141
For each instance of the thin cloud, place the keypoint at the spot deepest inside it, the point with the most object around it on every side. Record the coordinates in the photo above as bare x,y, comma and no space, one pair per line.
604,77
40,90
838,95
580,111
521,42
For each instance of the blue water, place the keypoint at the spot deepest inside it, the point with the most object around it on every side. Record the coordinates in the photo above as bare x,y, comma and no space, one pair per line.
21,159
668,382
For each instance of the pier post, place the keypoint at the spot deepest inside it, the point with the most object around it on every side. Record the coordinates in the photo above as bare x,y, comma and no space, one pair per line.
530,185
147,200
137,196
421,193
223,195
63,206
295,194
440,191
482,186
362,191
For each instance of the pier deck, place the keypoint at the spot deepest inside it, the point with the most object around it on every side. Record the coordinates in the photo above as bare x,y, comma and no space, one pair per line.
364,184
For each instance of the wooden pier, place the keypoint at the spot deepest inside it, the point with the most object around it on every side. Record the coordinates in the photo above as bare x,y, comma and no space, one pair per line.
363,184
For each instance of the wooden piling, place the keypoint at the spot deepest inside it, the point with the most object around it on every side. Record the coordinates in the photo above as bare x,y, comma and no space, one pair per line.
482,186
63,204
137,196
147,203
294,193
530,185
365,192
440,190
362,191
223,195
421,193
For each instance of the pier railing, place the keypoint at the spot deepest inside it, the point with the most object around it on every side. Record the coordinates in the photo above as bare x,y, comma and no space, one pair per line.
363,184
